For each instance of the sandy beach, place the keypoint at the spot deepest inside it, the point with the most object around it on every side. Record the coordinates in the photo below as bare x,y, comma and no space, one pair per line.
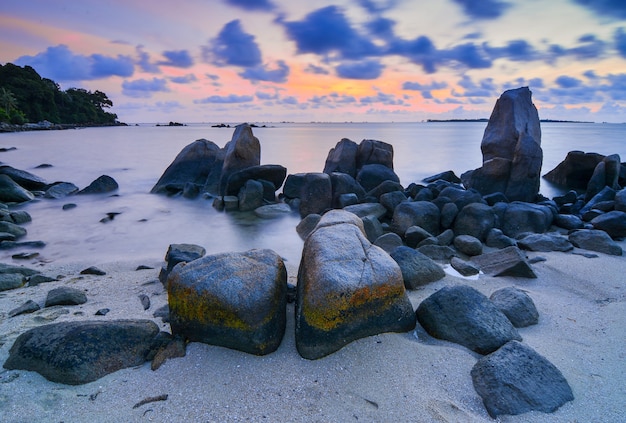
402,377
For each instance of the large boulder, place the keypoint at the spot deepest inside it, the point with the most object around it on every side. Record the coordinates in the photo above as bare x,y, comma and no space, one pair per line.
545,242
613,223
11,192
511,147
463,315
516,305
275,174
250,195
374,152
372,175
344,183
475,219
347,288
316,194
242,151
193,164
461,197
509,261
342,158
25,179
101,185
80,352
526,217
575,171
516,379
417,269
177,253
606,174
234,300
416,213
595,240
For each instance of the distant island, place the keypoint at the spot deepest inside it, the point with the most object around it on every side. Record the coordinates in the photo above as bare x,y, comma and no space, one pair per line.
27,97
487,120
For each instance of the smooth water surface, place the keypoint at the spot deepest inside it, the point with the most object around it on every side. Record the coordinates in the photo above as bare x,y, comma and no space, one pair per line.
136,156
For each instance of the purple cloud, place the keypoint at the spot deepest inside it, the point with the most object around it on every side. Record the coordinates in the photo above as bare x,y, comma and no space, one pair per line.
483,9
234,47
620,41
378,6
615,9
60,64
565,81
316,70
177,59
367,69
143,88
262,73
186,79
144,61
229,99
266,5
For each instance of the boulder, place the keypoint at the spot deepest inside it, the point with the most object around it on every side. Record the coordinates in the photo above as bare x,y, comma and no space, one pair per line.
344,200
13,229
468,245
11,192
343,183
384,188
496,239
101,185
275,174
316,194
177,253
250,195
11,281
347,288
620,200
416,213
575,171
234,300
388,242
516,305
28,307
374,152
417,269
436,251
568,221
463,267
194,164
242,151
20,216
60,190
376,210
449,212
272,211
516,379
342,158
463,315
448,176
74,353
511,147
605,194
372,175
414,235
605,174
613,223
293,185
461,197
509,261
475,219
446,237
24,179
391,200
307,224
526,217
545,242
65,295
373,228
595,240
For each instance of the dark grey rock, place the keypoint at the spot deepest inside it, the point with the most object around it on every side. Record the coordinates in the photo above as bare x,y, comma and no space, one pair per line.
11,192
526,217
250,196
516,305
575,170
545,242
61,189
446,237
74,353
344,200
390,201
316,194
595,240
374,152
509,261
463,267
11,281
605,194
568,221
272,211
13,229
93,270
5,236
24,179
9,268
101,185
449,213
38,279
177,253
373,228
145,301
20,217
613,223
307,224
448,175
28,307
620,200
431,240
163,312
388,242
516,379
496,239
384,188
342,158
416,213
367,209
414,235
102,312
463,315
234,300
417,269
475,219
242,151
275,174
437,252
65,295
372,175
461,197
293,185
347,288
496,197
7,245
468,245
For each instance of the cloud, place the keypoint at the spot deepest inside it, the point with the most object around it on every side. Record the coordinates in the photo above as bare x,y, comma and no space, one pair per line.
377,6
589,47
468,54
483,9
316,70
617,86
380,97
60,64
234,47
565,81
424,89
483,88
381,27
229,99
144,61
177,59
263,5
266,96
327,30
420,50
367,69
143,88
185,79
620,41
518,50
262,73
615,9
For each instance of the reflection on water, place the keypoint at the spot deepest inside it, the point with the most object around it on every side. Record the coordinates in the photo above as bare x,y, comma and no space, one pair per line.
147,224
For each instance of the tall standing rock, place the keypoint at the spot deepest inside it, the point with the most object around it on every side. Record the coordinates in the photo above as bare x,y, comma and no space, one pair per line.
243,150
511,147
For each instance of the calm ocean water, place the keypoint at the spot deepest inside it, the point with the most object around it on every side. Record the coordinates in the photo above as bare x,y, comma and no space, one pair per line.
136,156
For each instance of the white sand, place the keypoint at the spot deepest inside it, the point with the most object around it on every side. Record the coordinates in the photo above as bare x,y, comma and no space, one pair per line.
406,377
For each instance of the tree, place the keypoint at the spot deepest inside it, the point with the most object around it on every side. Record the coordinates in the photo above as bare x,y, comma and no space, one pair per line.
8,100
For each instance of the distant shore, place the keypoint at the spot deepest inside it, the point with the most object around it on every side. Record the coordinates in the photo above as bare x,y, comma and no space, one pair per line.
49,126
487,120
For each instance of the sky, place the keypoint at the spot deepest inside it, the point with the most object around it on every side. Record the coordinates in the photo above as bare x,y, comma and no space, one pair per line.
317,60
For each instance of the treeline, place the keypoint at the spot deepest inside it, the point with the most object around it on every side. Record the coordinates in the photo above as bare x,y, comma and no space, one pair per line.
27,97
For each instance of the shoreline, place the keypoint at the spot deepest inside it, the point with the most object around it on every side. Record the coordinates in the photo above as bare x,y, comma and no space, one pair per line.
392,376
48,126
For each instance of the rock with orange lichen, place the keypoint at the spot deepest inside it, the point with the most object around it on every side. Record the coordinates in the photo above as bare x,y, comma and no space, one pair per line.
347,288
234,300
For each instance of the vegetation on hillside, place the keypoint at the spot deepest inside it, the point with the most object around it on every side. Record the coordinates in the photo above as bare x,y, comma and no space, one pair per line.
27,97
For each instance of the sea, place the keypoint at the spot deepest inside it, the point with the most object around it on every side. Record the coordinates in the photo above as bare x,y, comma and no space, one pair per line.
144,224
